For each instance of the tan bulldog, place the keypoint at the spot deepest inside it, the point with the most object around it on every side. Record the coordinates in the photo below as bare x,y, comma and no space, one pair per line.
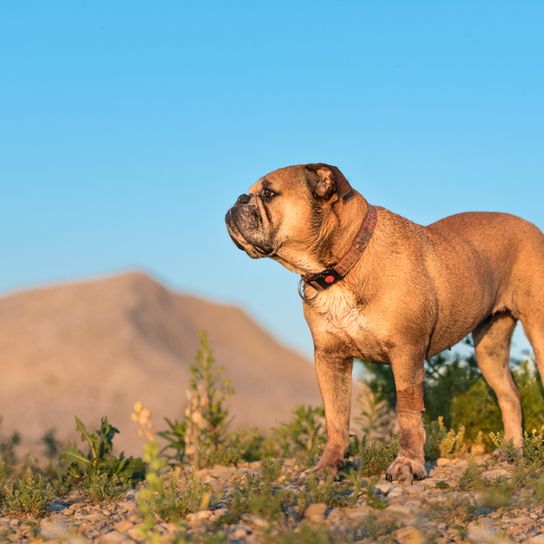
384,289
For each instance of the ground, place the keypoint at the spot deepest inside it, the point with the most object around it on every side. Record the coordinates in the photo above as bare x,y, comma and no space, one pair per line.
445,507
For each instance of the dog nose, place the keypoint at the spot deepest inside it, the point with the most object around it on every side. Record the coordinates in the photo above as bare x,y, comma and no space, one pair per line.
243,199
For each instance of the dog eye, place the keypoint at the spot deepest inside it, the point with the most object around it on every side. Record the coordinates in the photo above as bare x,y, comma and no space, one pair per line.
267,194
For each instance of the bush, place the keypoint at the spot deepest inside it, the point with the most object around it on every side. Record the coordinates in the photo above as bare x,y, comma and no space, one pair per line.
303,436
29,493
456,391
100,471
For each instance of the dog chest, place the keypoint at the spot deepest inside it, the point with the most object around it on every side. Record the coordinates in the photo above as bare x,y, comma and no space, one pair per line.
340,312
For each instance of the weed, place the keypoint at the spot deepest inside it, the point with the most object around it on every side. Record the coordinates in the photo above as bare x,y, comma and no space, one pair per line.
372,458
471,477
29,493
207,417
99,458
504,448
533,447
305,534
175,438
303,436
8,444
365,488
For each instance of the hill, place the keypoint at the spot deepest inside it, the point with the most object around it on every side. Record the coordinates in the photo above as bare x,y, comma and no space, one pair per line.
94,348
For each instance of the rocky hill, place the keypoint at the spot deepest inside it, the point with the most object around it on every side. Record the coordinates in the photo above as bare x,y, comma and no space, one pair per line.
94,348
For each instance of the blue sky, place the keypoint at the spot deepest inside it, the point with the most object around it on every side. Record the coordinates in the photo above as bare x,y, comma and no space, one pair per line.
128,128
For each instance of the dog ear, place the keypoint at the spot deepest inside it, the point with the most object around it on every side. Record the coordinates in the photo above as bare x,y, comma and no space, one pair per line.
326,180
322,180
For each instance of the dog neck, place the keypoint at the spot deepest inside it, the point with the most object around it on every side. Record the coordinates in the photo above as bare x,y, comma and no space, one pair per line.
335,237
339,232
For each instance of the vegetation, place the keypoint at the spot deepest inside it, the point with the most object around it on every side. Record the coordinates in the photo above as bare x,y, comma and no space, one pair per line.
462,418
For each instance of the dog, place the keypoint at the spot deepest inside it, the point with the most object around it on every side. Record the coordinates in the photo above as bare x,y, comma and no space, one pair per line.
384,289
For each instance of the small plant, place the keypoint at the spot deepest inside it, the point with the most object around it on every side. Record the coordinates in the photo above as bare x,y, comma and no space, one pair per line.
259,495
372,458
165,496
471,477
8,445
453,443
51,444
303,436
436,432
100,471
207,417
29,493
374,417
365,488
175,438
533,447
504,448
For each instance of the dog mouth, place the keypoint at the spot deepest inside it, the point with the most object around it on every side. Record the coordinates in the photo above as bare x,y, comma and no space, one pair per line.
253,249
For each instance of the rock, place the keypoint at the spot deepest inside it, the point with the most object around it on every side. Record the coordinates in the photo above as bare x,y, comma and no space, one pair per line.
355,514
316,512
136,533
51,528
256,521
397,491
495,474
409,535
483,532
113,537
442,461
123,526
239,532
94,517
199,517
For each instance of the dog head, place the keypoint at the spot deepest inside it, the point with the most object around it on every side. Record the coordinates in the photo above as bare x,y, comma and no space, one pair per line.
291,215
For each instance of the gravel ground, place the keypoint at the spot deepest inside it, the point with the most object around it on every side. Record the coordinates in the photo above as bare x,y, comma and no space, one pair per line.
433,510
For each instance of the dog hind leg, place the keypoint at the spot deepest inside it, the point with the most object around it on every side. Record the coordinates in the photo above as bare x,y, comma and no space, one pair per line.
492,340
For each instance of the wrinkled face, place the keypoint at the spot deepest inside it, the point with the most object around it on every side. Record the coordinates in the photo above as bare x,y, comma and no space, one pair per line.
284,213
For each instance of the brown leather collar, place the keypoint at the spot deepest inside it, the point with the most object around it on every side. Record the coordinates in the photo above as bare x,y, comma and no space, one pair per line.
330,276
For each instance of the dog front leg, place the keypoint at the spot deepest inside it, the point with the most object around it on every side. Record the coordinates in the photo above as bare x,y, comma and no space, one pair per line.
409,382
334,378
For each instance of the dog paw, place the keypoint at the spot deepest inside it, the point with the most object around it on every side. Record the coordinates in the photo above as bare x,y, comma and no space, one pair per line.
404,469
328,464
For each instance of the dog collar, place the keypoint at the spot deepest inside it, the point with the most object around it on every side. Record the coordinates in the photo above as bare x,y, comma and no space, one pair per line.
331,276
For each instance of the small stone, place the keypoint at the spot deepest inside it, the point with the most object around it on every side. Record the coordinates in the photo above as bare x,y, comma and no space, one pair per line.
442,461
136,533
495,474
356,514
409,535
198,517
482,531
94,516
113,537
52,528
256,521
239,532
123,526
316,512
397,491
337,516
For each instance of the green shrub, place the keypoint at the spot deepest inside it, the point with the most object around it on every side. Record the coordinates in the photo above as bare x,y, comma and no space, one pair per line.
101,472
206,414
28,493
372,458
303,436
8,445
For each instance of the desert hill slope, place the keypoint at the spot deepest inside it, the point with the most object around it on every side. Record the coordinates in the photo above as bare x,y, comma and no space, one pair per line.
94,348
